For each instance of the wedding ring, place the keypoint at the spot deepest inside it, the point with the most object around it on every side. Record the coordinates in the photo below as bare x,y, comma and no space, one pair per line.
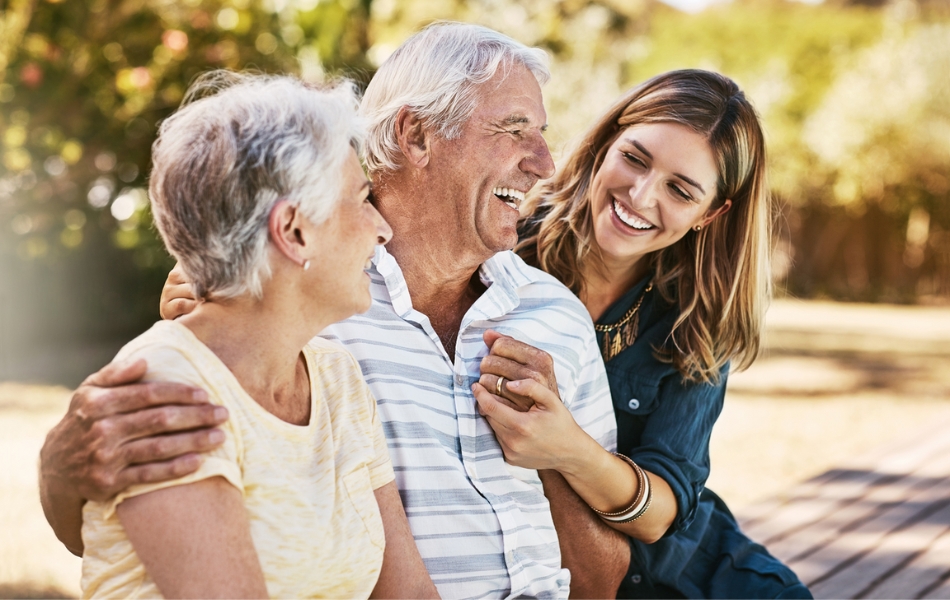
498,386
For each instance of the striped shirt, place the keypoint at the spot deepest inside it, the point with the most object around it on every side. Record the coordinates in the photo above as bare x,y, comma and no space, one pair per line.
483,527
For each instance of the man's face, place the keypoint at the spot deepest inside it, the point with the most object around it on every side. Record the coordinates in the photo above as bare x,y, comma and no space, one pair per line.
480,178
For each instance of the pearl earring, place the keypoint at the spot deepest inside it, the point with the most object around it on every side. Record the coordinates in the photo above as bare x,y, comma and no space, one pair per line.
306,265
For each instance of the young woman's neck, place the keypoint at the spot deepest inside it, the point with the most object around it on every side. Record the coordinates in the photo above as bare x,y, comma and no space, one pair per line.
606,280
260,342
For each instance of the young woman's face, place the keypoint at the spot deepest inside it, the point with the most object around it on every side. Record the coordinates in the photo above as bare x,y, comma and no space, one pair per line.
657,181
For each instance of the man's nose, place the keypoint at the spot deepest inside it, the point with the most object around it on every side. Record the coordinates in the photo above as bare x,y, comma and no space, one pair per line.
538,162
384,232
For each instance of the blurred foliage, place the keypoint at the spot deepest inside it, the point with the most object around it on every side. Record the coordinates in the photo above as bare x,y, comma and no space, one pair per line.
855,97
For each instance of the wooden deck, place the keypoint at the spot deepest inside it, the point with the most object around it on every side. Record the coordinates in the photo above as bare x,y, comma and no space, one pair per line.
877,527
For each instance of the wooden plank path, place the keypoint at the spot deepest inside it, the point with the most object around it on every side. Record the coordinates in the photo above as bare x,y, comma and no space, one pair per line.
877,527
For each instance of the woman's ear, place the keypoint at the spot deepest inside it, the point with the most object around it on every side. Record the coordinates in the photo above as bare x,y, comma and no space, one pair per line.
715,212
288,230
412,137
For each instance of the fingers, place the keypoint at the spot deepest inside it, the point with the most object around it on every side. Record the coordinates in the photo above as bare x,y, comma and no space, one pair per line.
159,471
177,297
93,402
508,347
508,396
177,276
159,421
117,373
177,307
516,360
497,410
164,448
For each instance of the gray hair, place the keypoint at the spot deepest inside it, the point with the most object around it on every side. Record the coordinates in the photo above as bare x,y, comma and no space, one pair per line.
237,145
436,74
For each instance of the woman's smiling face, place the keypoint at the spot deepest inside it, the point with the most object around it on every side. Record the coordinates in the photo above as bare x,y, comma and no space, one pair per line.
657,181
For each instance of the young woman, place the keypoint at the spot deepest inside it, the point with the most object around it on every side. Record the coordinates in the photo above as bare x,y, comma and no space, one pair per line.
257,190
659,222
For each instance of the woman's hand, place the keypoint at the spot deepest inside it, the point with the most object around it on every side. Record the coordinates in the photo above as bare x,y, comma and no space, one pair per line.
177,299
513,360
544,436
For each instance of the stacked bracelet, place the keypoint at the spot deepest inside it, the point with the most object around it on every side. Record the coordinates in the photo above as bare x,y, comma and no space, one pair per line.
641,501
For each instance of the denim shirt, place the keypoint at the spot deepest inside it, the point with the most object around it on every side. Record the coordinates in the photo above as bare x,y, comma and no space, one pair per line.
664,423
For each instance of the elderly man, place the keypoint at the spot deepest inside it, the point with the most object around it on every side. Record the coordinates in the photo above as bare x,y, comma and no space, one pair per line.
456,121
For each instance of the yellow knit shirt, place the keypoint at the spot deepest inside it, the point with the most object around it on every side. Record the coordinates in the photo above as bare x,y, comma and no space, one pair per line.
308,489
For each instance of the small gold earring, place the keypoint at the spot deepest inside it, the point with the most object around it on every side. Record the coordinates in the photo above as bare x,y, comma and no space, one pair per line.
697,228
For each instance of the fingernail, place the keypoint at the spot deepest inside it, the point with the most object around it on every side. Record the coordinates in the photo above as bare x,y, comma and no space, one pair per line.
199,395
215,436
513,385
220,414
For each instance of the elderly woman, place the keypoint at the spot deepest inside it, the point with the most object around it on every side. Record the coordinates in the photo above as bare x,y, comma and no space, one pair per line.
256,189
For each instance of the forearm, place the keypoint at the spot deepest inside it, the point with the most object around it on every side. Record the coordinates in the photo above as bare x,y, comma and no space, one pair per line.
608,483
596,555
62,506
403,573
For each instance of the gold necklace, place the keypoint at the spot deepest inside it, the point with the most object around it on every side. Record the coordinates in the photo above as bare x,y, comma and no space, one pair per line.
626,329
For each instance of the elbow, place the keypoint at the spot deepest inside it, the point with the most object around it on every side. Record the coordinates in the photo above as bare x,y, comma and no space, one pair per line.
653,536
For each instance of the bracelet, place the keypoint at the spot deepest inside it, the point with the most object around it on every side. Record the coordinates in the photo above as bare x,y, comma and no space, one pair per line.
641,501
639,512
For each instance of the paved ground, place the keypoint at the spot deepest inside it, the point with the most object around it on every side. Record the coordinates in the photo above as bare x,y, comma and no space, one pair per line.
836,381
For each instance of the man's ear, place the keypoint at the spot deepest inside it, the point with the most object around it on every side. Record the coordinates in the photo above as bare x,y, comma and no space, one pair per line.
288,229
716,212
413,138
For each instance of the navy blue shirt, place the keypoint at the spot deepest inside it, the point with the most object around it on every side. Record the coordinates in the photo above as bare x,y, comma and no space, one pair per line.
664,423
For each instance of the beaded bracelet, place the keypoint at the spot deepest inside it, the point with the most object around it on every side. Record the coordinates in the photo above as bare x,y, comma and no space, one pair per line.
641,501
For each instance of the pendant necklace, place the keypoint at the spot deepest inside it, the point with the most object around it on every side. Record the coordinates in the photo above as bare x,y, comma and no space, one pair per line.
620,335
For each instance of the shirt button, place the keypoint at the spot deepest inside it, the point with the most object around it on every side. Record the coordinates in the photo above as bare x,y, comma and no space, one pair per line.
459,379
636,578
634,404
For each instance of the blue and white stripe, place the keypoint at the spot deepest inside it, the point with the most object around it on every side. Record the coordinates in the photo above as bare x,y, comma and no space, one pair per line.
483,527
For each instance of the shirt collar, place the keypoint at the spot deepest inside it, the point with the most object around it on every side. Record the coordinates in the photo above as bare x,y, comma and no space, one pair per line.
503,274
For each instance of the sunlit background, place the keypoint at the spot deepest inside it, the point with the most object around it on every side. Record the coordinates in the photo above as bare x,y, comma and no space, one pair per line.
854,94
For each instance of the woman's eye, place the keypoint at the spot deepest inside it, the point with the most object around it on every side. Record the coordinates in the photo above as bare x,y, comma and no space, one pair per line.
634,159
681,193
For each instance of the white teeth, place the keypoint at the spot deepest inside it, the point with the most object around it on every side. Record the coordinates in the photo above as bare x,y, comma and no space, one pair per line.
514,197
631,220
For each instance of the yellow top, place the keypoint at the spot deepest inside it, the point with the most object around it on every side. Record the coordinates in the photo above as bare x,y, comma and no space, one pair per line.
308,489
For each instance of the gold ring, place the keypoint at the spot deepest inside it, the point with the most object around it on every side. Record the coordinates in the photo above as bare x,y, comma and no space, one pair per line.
498,384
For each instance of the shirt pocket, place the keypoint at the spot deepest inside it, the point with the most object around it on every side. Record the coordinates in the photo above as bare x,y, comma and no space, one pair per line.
359,492
634,394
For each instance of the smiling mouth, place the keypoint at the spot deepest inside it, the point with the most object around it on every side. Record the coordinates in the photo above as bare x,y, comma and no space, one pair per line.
511,197
630,219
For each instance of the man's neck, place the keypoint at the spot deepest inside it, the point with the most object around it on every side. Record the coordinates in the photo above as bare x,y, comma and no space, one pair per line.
442,277
441,290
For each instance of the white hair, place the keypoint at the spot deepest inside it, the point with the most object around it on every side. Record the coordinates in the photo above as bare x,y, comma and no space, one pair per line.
436,74
237,145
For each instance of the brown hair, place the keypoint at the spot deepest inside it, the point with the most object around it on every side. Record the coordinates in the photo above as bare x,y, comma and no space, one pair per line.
718,276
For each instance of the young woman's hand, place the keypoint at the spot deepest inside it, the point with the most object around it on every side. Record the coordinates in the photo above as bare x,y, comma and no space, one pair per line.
543,436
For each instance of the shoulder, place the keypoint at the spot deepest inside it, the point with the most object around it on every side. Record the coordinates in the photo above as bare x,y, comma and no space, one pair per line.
533,284
172,352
